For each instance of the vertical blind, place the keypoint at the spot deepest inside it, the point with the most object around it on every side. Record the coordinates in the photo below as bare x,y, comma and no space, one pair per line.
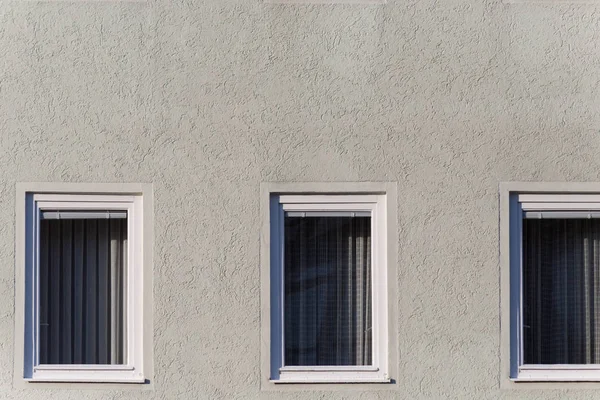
561,283
81,282
327,302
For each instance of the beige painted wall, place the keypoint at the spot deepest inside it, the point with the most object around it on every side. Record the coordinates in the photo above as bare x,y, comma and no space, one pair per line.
206,99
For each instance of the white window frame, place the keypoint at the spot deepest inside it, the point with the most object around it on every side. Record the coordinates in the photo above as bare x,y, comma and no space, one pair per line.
374,204
137,366
539,203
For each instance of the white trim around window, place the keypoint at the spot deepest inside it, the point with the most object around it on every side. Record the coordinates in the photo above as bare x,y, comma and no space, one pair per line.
519,201
296,202
73,201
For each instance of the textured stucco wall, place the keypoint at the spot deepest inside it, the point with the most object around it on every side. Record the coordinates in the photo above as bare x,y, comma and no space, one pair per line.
206,99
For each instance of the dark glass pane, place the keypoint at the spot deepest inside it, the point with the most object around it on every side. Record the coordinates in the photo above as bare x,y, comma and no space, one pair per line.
561,299
82,305
328,291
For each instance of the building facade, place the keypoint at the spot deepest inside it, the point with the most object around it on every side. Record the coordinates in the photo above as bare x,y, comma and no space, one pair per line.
213,114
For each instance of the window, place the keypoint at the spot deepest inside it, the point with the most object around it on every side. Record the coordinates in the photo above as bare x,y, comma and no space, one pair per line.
84,288
554,267
328,288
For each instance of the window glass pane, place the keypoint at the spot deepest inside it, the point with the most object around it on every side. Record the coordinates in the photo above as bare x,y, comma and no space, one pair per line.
82,278
561,291
327,305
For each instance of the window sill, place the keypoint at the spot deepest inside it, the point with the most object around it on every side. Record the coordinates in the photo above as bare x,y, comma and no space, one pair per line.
325,1
82,367
558,373
86,374
64,379
558,2
331,375
329,380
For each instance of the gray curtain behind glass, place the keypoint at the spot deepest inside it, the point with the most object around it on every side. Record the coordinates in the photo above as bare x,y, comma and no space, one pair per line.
327,291
561,283
82,270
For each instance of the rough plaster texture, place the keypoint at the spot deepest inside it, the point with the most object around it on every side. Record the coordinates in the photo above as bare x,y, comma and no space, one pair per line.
206,99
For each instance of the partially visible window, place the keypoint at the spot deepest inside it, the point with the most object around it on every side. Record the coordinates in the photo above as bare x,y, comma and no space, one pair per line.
84,288
556,269
328,322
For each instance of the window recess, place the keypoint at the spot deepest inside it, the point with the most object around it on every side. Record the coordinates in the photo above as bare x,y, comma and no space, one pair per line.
555,287
84,274
328,289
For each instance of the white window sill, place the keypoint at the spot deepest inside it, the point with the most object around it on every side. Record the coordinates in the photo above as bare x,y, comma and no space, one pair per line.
330,380
325,1
86,373
559,373
538,2
315,374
